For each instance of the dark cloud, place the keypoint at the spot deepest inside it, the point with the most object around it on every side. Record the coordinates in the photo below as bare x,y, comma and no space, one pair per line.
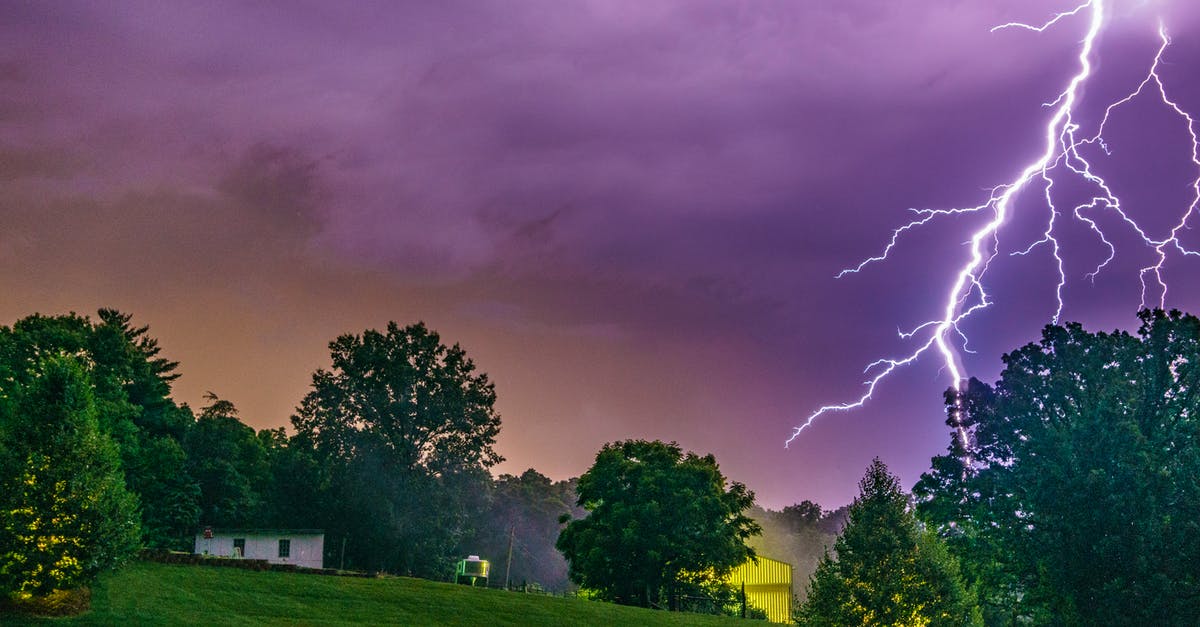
629,212
280,186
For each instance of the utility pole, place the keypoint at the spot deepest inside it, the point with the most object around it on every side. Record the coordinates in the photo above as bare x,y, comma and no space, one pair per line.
512,530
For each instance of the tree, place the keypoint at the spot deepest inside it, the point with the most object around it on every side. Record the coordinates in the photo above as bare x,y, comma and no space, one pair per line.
800,535
405,391
403,427
296,480
229,462
802,515
65,514
887,571
1074,500
131,386
523,513
659,523
161,464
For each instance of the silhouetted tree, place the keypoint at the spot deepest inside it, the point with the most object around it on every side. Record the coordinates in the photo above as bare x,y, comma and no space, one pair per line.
524,511
295,482
404,427
229,462
800,535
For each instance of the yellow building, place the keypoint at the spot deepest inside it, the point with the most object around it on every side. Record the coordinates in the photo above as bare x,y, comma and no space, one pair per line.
768,586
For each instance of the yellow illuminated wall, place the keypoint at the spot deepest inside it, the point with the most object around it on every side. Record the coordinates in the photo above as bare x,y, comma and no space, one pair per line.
768,586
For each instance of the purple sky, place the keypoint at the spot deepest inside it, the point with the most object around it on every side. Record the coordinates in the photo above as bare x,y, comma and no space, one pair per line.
629,213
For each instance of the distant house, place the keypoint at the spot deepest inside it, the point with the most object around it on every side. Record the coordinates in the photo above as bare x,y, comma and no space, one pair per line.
302,547
768,586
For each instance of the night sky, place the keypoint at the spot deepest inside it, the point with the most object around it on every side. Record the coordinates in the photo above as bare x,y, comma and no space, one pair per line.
629,213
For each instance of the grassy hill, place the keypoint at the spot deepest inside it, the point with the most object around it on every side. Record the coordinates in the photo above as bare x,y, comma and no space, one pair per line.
146,593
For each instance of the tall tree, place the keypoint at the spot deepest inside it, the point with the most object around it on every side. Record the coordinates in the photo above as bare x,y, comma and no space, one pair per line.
165,484
887,571
1074,500
65,514
659,522
131,387
296,480
406,391
230,463
405,428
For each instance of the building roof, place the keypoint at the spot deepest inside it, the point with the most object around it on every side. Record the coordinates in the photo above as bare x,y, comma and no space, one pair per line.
262,532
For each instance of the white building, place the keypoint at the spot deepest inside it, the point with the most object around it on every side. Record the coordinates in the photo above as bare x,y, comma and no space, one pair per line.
302,547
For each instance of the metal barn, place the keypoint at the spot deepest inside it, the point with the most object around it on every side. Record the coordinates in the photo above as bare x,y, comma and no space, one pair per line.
768,585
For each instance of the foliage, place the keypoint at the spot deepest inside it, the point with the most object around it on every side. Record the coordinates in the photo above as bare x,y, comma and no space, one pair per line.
65,514
404,391
403,429
1075,500
295,481
887,570
658,523
57,603
162,465
799,534
131,387
229,462
524,511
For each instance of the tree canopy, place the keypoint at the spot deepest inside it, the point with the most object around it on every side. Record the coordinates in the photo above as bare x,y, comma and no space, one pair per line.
404,391
403,428
887,570
660,522
230,463
523,513
799,534
1074,500
131,384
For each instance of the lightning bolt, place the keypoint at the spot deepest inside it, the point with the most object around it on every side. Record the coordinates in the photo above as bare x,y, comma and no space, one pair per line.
1063,154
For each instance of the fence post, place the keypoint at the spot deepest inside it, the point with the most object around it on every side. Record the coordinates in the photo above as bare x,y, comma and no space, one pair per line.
743,599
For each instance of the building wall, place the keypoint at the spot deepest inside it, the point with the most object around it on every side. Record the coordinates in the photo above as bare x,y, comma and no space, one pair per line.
768,586
306,549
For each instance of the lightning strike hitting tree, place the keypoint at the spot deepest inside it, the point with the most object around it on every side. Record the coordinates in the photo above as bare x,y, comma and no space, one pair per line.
1066,139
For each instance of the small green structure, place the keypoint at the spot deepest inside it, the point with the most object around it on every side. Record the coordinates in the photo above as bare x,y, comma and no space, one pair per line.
768,586
472,571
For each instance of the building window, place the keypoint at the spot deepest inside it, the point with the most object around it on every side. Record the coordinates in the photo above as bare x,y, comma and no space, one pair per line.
285,548
239,547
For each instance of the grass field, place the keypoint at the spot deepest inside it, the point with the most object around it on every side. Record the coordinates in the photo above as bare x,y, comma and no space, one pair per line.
145,593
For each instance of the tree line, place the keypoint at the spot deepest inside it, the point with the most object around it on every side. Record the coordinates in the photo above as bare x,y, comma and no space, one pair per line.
389,454
1068,495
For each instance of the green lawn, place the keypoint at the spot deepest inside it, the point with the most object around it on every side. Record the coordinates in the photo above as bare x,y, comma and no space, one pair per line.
146,593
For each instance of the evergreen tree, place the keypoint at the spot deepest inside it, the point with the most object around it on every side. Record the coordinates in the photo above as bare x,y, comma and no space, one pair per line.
130,383
887,571
65,514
